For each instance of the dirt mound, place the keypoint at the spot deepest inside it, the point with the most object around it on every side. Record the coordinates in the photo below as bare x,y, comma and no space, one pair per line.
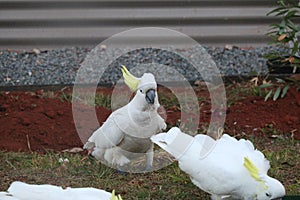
269,118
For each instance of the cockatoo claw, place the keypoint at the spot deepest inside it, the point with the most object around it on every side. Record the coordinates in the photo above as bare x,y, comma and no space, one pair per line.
121,172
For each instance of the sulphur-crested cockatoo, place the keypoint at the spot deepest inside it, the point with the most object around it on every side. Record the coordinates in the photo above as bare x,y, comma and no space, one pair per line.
127,130
23,191
227,168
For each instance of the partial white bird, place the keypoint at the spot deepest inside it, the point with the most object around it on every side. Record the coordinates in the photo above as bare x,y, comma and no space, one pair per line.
227,168
23,191
127,131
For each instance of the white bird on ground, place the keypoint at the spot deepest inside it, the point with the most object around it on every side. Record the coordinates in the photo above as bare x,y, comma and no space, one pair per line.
23,191
226,168
127,131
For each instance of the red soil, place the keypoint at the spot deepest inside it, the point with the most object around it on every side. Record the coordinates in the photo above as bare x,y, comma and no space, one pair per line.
31,121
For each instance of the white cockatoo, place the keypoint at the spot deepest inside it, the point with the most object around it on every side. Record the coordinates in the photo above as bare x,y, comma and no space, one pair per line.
23,191
127,130
226,168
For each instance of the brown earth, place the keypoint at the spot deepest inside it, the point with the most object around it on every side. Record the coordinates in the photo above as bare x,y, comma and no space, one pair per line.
36,121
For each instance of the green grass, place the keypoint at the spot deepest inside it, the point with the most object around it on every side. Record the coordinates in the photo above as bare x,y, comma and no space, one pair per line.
84,171
239,91
283,154
167,183
88,98
169,101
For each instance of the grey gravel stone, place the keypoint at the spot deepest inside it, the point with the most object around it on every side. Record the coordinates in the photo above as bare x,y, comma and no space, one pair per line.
60,66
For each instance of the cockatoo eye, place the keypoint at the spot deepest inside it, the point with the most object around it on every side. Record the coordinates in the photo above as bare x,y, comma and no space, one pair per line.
141,91
268,195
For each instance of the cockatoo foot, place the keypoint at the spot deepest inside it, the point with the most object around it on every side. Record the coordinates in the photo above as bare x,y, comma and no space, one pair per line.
220,133
121,160
148,168
121,171
115,157
218,197
89,152
163,126
98,153
89,145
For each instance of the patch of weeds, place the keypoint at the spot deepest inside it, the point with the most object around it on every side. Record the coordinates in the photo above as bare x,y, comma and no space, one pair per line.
237,91
99,99
65,96
202,99
103,100
48,94
14,97
272,90
269,129
168,101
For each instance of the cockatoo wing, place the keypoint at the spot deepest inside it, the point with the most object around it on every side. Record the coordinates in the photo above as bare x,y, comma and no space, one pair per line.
109,134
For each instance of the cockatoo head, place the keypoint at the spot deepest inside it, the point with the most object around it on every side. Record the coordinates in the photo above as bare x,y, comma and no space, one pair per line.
273,190
145,88
267,188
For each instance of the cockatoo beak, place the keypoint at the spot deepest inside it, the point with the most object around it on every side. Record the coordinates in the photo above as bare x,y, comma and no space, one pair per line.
150,96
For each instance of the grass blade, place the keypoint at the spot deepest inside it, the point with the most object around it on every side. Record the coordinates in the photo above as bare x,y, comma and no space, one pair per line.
284,91
268,95
276,94
266,85
279,80
275,10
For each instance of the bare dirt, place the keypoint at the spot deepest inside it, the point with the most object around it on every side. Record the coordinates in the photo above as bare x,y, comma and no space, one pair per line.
37,121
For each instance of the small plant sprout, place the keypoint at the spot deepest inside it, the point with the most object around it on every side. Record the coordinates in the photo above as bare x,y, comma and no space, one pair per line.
268,89
280,91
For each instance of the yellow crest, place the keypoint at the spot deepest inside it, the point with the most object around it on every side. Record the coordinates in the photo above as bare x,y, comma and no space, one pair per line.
131,81
254,172
114,197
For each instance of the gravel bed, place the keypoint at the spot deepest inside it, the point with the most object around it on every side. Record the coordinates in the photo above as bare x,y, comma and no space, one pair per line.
60,66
